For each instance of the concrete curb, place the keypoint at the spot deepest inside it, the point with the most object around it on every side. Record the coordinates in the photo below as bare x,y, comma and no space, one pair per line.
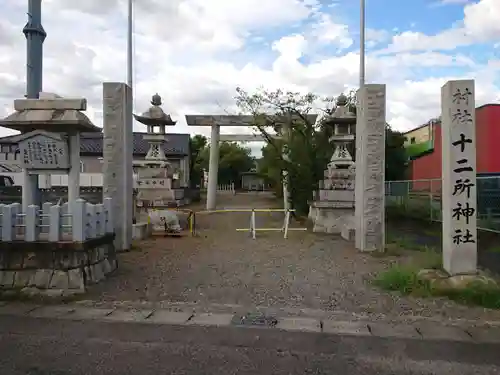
424,331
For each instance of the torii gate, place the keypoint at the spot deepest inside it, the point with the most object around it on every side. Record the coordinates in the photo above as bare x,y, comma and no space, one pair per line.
215,122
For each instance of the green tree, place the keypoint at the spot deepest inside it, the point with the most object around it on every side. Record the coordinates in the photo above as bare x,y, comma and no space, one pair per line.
197,144
233,160
307,141
270,166
396,158
287,115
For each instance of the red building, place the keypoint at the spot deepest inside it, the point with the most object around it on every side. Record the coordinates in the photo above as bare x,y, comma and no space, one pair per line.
428,164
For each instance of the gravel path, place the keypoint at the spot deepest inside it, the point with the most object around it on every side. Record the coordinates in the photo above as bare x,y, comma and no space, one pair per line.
305,271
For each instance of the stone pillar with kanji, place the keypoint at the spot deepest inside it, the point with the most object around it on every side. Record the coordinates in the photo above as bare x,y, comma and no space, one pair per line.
459,184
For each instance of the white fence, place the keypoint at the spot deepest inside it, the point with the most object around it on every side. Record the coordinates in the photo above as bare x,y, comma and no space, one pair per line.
53,222
226,188
47,181
222,188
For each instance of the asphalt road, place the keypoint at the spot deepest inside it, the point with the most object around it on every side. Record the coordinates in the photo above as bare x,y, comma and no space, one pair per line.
60,347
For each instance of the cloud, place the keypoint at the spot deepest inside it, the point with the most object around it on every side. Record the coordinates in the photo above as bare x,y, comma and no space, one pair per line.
479,25
450,2
186,51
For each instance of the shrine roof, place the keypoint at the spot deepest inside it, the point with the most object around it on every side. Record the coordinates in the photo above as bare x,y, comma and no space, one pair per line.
91,143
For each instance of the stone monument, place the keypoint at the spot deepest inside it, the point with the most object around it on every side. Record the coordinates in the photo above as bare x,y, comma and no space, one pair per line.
458,128
117,155
332,210
50,140
154,175
370,167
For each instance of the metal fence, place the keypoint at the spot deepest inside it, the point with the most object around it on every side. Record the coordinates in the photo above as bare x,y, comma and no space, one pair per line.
421,199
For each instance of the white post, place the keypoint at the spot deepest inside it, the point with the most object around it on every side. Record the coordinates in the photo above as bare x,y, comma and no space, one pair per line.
31,223
458,127
79,220
370,168
100,220
287,223
65,218
108,215
213,168
74,171
91,221
252,225
55,222
29,189
46,207
8,223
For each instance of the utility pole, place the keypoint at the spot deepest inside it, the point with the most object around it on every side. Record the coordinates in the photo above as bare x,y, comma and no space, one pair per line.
362,43
130,46
35,36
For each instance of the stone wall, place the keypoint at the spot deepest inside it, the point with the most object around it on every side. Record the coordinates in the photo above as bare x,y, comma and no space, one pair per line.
54,270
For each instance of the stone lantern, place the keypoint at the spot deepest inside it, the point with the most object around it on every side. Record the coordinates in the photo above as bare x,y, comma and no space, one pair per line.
332,210
154,175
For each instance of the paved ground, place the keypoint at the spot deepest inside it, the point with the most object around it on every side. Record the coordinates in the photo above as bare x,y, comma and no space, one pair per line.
41,346
306,271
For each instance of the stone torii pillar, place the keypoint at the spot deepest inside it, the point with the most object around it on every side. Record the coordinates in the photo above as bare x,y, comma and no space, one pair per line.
213,168
215,122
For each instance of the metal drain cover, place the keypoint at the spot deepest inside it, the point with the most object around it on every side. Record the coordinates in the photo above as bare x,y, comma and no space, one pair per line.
254,319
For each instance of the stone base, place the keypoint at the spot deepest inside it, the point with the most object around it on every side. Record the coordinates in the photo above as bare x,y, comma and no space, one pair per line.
348,232
57,272
141,231
336,218
441,280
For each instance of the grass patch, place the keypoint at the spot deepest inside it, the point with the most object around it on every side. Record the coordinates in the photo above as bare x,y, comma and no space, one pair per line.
478,294
390,250
431,259
405,280
495,249
135,247
396,246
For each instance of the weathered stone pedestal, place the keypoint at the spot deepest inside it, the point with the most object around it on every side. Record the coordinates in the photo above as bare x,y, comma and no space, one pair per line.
333,218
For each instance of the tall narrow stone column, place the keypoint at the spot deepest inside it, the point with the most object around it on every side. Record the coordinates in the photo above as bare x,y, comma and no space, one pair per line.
117,153
74,172
370,168
213,168
459,204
